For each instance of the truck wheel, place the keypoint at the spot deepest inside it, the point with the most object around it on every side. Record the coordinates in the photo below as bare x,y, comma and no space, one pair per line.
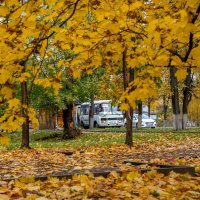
96,125
82,125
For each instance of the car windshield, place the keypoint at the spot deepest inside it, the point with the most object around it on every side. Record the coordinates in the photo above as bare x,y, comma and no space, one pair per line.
145,117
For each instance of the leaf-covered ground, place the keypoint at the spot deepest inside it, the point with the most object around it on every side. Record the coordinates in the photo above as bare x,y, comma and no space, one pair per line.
165,148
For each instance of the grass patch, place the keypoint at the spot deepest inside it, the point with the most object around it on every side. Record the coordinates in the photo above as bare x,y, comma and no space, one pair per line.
145,130
100,137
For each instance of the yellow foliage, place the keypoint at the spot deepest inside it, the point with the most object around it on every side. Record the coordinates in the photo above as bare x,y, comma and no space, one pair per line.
24,77
28,179
5,75
132,175
162,60
43,82
60,63
56,87
7,92
3,11
76,73
33,118
136,5
43,48
124,106
181,74
149,32
195,52
13,3
4,139
13,103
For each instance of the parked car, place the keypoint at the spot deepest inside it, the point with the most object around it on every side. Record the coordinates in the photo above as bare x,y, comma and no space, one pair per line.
147,122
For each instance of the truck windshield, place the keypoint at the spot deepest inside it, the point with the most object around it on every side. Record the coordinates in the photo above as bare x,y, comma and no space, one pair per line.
107,107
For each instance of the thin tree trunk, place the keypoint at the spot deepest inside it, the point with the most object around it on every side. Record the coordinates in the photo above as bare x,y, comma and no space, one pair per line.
129,127
149,108
129,135
175,98
25,125
186,98
128,76
91,113
139,125
165,107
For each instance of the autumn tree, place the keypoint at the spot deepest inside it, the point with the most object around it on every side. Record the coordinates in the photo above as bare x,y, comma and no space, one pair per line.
115,27
26,28
176,26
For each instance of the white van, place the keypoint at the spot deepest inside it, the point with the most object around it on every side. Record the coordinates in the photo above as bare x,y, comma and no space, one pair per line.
105,114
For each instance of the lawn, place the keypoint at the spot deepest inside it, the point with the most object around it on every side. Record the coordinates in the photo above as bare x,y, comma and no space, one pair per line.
107,136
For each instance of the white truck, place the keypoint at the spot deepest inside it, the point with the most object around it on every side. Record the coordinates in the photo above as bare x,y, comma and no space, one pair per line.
105,114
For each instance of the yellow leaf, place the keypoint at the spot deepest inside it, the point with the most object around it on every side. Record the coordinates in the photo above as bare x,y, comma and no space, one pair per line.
7,92
162,60
43,48
66,46
56,87
11,3
135,5
124,106
33,118
132,175
24,77
76,73
60,63
28,179
20,184
157,38
5,75
181,74
44,82
195,52
13,103
4,139
85,180
184,15
124,8
4,11
79,48
4,197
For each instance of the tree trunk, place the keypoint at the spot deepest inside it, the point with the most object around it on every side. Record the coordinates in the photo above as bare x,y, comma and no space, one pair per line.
129,127
175,98
69,131
25,125
165,107
67,120
128,76
186,97
149,108
67,117
91,113
139,124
